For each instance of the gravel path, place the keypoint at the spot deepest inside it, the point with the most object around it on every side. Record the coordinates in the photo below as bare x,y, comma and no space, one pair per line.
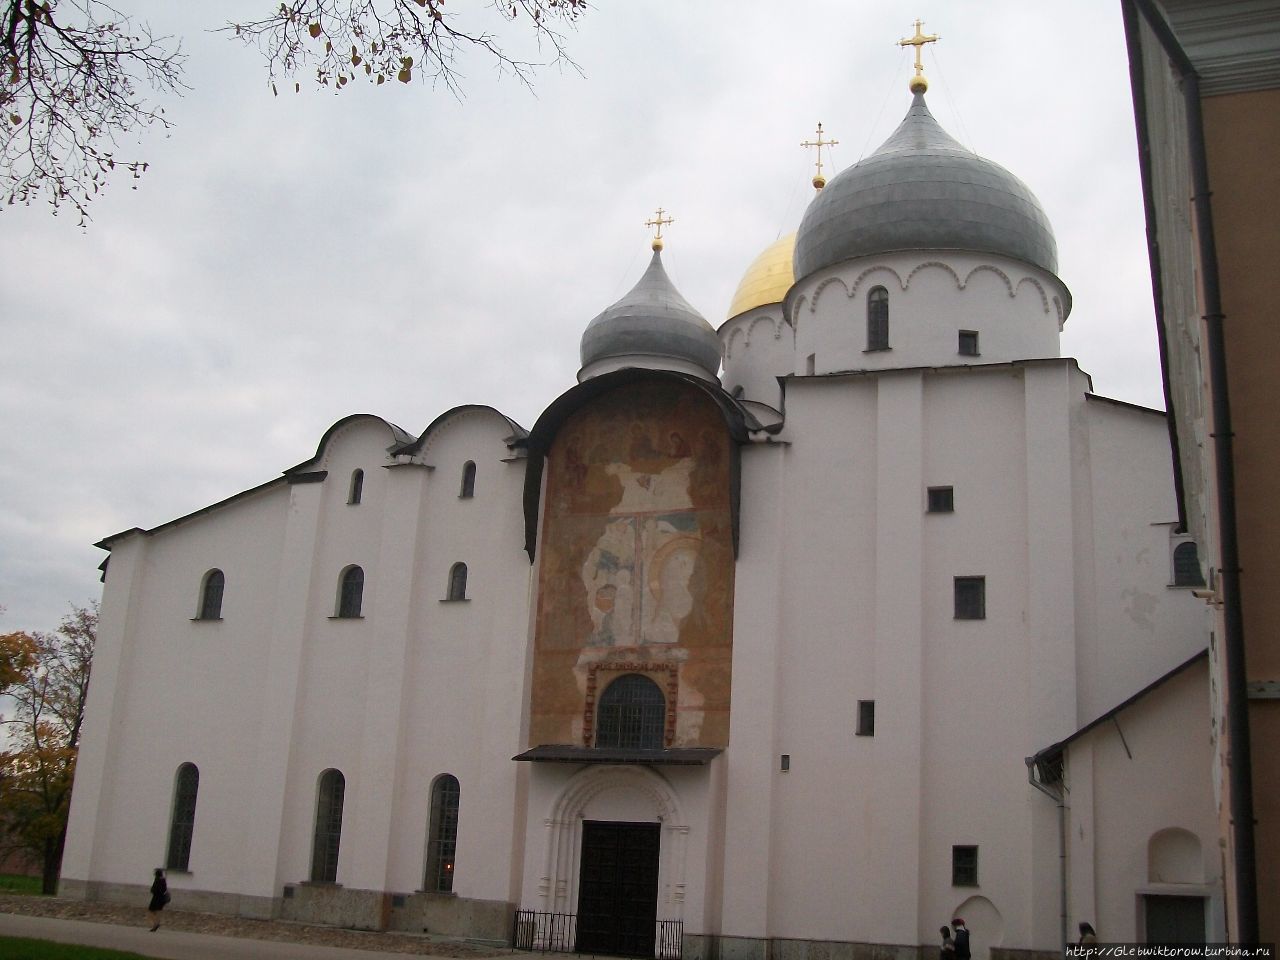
219,925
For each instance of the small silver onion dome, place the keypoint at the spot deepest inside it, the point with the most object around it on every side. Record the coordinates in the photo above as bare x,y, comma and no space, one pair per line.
652,320
923,190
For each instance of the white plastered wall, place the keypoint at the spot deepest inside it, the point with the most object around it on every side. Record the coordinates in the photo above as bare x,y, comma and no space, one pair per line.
1157,749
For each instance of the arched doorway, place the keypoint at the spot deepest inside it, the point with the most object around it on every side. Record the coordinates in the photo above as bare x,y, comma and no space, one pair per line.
616,841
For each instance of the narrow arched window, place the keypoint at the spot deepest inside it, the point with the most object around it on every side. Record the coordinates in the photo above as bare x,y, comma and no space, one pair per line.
442,834
211,595
468,480
457,582
328,834
878,319
1186,565
182,823
357,486
632,713
351,592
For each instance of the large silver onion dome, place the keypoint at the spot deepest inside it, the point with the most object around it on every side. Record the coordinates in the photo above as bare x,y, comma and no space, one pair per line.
652,320
923,190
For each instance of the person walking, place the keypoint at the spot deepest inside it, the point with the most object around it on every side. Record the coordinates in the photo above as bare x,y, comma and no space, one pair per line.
962,939
948,951
159,898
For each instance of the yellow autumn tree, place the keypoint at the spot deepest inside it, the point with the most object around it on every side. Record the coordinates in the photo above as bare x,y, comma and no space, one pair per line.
45,677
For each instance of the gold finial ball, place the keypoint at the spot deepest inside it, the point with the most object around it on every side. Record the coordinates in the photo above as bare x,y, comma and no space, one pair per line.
819,182
918,84
657,243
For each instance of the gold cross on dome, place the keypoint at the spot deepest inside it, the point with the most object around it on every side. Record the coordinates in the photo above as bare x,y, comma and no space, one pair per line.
918,41
819,181
659,221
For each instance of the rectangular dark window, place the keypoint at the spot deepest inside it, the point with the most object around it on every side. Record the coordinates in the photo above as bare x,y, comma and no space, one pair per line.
786,762
964,866
866,718
942,500
971,598
969,343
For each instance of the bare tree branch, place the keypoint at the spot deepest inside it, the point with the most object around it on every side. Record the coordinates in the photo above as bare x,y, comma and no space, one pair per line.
71,73
381,40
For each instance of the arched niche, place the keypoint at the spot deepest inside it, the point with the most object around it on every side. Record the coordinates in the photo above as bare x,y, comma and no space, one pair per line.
1174,856
984,922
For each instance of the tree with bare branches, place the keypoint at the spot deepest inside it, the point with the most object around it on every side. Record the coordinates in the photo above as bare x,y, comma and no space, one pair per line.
381,40
46,677
74,74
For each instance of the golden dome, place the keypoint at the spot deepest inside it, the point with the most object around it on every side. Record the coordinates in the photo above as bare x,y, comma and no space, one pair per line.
768,278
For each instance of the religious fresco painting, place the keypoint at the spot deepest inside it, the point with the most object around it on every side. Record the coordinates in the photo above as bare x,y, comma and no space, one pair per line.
637,563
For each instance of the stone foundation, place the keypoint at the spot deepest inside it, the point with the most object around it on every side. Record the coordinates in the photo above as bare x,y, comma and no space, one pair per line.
1010,953
327,904
488,921
706,947
450,916
200,901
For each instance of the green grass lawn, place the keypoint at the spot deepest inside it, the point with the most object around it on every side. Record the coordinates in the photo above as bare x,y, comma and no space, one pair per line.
19,948
12,883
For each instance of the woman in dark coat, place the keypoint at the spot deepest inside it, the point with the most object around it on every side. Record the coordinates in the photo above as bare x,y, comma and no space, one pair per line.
159,897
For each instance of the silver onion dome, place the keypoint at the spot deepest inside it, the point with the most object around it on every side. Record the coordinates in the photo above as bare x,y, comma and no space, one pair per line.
923,190
652,320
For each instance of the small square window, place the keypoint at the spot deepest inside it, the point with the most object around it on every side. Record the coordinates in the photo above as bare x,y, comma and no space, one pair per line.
964,866
971,598
942,500
866,718
969,343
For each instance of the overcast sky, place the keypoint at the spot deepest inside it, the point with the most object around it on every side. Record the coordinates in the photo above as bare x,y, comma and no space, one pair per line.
289,260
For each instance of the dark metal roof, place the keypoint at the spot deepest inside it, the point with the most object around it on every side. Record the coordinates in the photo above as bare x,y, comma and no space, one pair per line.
1055,749
652,319
923,190
399,436
414,444
671,756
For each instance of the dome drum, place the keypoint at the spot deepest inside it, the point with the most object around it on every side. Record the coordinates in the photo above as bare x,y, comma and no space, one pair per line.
1006,309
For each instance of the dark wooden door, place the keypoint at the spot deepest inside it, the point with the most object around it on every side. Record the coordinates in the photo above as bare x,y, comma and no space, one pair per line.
1175,919
618,888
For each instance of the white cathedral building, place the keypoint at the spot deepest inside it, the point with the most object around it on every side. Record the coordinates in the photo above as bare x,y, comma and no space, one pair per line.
792,639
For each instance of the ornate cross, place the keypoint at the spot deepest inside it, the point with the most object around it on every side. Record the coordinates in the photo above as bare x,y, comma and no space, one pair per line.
819,181
659,221
918,41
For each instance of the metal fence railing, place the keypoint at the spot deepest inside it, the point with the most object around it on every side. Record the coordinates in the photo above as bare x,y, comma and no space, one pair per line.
545,932
539,931
670,940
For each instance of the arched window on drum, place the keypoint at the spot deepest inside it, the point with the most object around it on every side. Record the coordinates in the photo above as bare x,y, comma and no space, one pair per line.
878,319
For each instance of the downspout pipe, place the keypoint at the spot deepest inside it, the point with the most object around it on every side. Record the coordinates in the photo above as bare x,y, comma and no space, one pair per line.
1240,773
1059,797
